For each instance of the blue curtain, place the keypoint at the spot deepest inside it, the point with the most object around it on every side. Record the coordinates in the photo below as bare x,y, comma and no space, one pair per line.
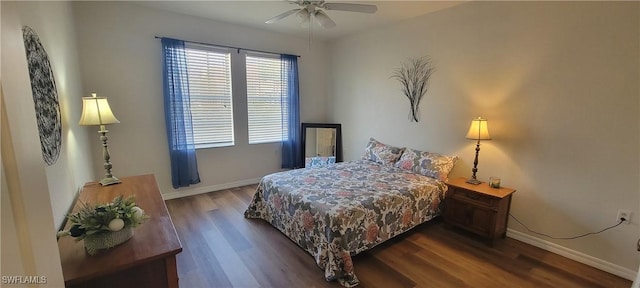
291,150
177,110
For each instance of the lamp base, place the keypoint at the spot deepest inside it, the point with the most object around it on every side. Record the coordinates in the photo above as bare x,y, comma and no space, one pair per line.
110,181
474,181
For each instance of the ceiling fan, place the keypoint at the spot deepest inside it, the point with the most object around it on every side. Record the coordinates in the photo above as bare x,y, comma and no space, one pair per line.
315,8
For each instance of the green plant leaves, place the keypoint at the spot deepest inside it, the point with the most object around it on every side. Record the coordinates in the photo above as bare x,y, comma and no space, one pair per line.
90,219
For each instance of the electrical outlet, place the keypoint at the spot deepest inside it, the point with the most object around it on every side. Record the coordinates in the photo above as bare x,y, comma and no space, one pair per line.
626,214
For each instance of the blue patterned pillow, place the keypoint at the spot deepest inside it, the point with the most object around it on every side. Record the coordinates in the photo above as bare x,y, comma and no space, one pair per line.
433,165
319,161
381,153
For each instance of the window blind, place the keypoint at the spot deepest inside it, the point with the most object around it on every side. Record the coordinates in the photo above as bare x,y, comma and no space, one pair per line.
266,106
209,71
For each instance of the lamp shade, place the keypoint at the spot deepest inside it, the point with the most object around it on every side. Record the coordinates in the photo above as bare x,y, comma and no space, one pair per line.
478,130
96,111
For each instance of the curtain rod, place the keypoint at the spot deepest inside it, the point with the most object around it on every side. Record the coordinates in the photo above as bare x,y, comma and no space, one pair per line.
230,47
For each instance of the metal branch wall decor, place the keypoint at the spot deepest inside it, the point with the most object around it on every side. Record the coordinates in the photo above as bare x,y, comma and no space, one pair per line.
414,76
45,96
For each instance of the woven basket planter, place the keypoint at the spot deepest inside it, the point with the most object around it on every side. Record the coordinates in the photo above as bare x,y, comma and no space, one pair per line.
100,241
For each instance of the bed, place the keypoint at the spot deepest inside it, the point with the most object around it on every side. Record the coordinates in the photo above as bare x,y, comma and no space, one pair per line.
337,211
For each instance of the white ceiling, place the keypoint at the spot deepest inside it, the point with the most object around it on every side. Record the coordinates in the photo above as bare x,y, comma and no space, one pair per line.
255,13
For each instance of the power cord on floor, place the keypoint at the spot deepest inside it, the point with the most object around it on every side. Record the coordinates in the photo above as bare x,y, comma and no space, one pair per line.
565,238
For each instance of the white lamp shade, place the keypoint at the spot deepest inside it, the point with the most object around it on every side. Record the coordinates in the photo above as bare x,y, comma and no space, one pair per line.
96,111
479,130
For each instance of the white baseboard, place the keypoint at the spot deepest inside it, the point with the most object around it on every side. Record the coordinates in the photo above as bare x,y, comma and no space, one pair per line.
207,189
573,255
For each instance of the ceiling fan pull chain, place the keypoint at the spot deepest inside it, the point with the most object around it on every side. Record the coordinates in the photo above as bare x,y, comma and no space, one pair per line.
309,24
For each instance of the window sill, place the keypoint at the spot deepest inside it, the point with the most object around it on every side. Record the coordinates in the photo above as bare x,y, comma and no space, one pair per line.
266,142
207,146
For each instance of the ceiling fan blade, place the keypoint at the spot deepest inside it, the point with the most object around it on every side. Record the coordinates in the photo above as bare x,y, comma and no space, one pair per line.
282,16
324,20
363,8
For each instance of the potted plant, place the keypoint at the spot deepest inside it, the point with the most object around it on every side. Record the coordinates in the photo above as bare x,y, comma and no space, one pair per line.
104,226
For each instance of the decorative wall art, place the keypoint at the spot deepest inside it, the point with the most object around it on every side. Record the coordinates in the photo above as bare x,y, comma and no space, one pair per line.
45,96
414,76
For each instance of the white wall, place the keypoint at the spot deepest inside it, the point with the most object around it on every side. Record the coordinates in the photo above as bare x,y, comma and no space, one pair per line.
39,195
122,61
12,263
558,82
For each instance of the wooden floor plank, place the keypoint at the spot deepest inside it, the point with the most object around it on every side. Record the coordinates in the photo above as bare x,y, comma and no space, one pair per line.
374,273
223,249
435,272
190,228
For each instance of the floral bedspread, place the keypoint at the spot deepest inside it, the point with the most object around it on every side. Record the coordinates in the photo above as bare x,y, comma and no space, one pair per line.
337,211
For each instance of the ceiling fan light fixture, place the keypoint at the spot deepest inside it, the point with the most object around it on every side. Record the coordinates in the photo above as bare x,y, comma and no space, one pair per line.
324,20
303,16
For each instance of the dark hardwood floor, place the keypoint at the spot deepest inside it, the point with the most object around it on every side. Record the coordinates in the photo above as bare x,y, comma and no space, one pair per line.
223,249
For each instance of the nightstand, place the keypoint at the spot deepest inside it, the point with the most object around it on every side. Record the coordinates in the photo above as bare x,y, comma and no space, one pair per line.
479,209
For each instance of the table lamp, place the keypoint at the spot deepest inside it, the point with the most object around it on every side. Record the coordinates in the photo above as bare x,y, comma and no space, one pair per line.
96,111
477,131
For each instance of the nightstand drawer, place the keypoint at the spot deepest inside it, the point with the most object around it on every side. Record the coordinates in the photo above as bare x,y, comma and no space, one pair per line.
474,197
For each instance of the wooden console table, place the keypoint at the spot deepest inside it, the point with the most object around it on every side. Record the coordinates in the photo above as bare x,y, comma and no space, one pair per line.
146,260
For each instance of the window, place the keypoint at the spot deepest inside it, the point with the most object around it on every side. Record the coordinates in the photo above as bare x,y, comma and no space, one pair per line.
209,71
266,88
210,86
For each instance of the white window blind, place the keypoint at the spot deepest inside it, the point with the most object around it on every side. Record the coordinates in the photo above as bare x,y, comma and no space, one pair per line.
266,89
209,71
